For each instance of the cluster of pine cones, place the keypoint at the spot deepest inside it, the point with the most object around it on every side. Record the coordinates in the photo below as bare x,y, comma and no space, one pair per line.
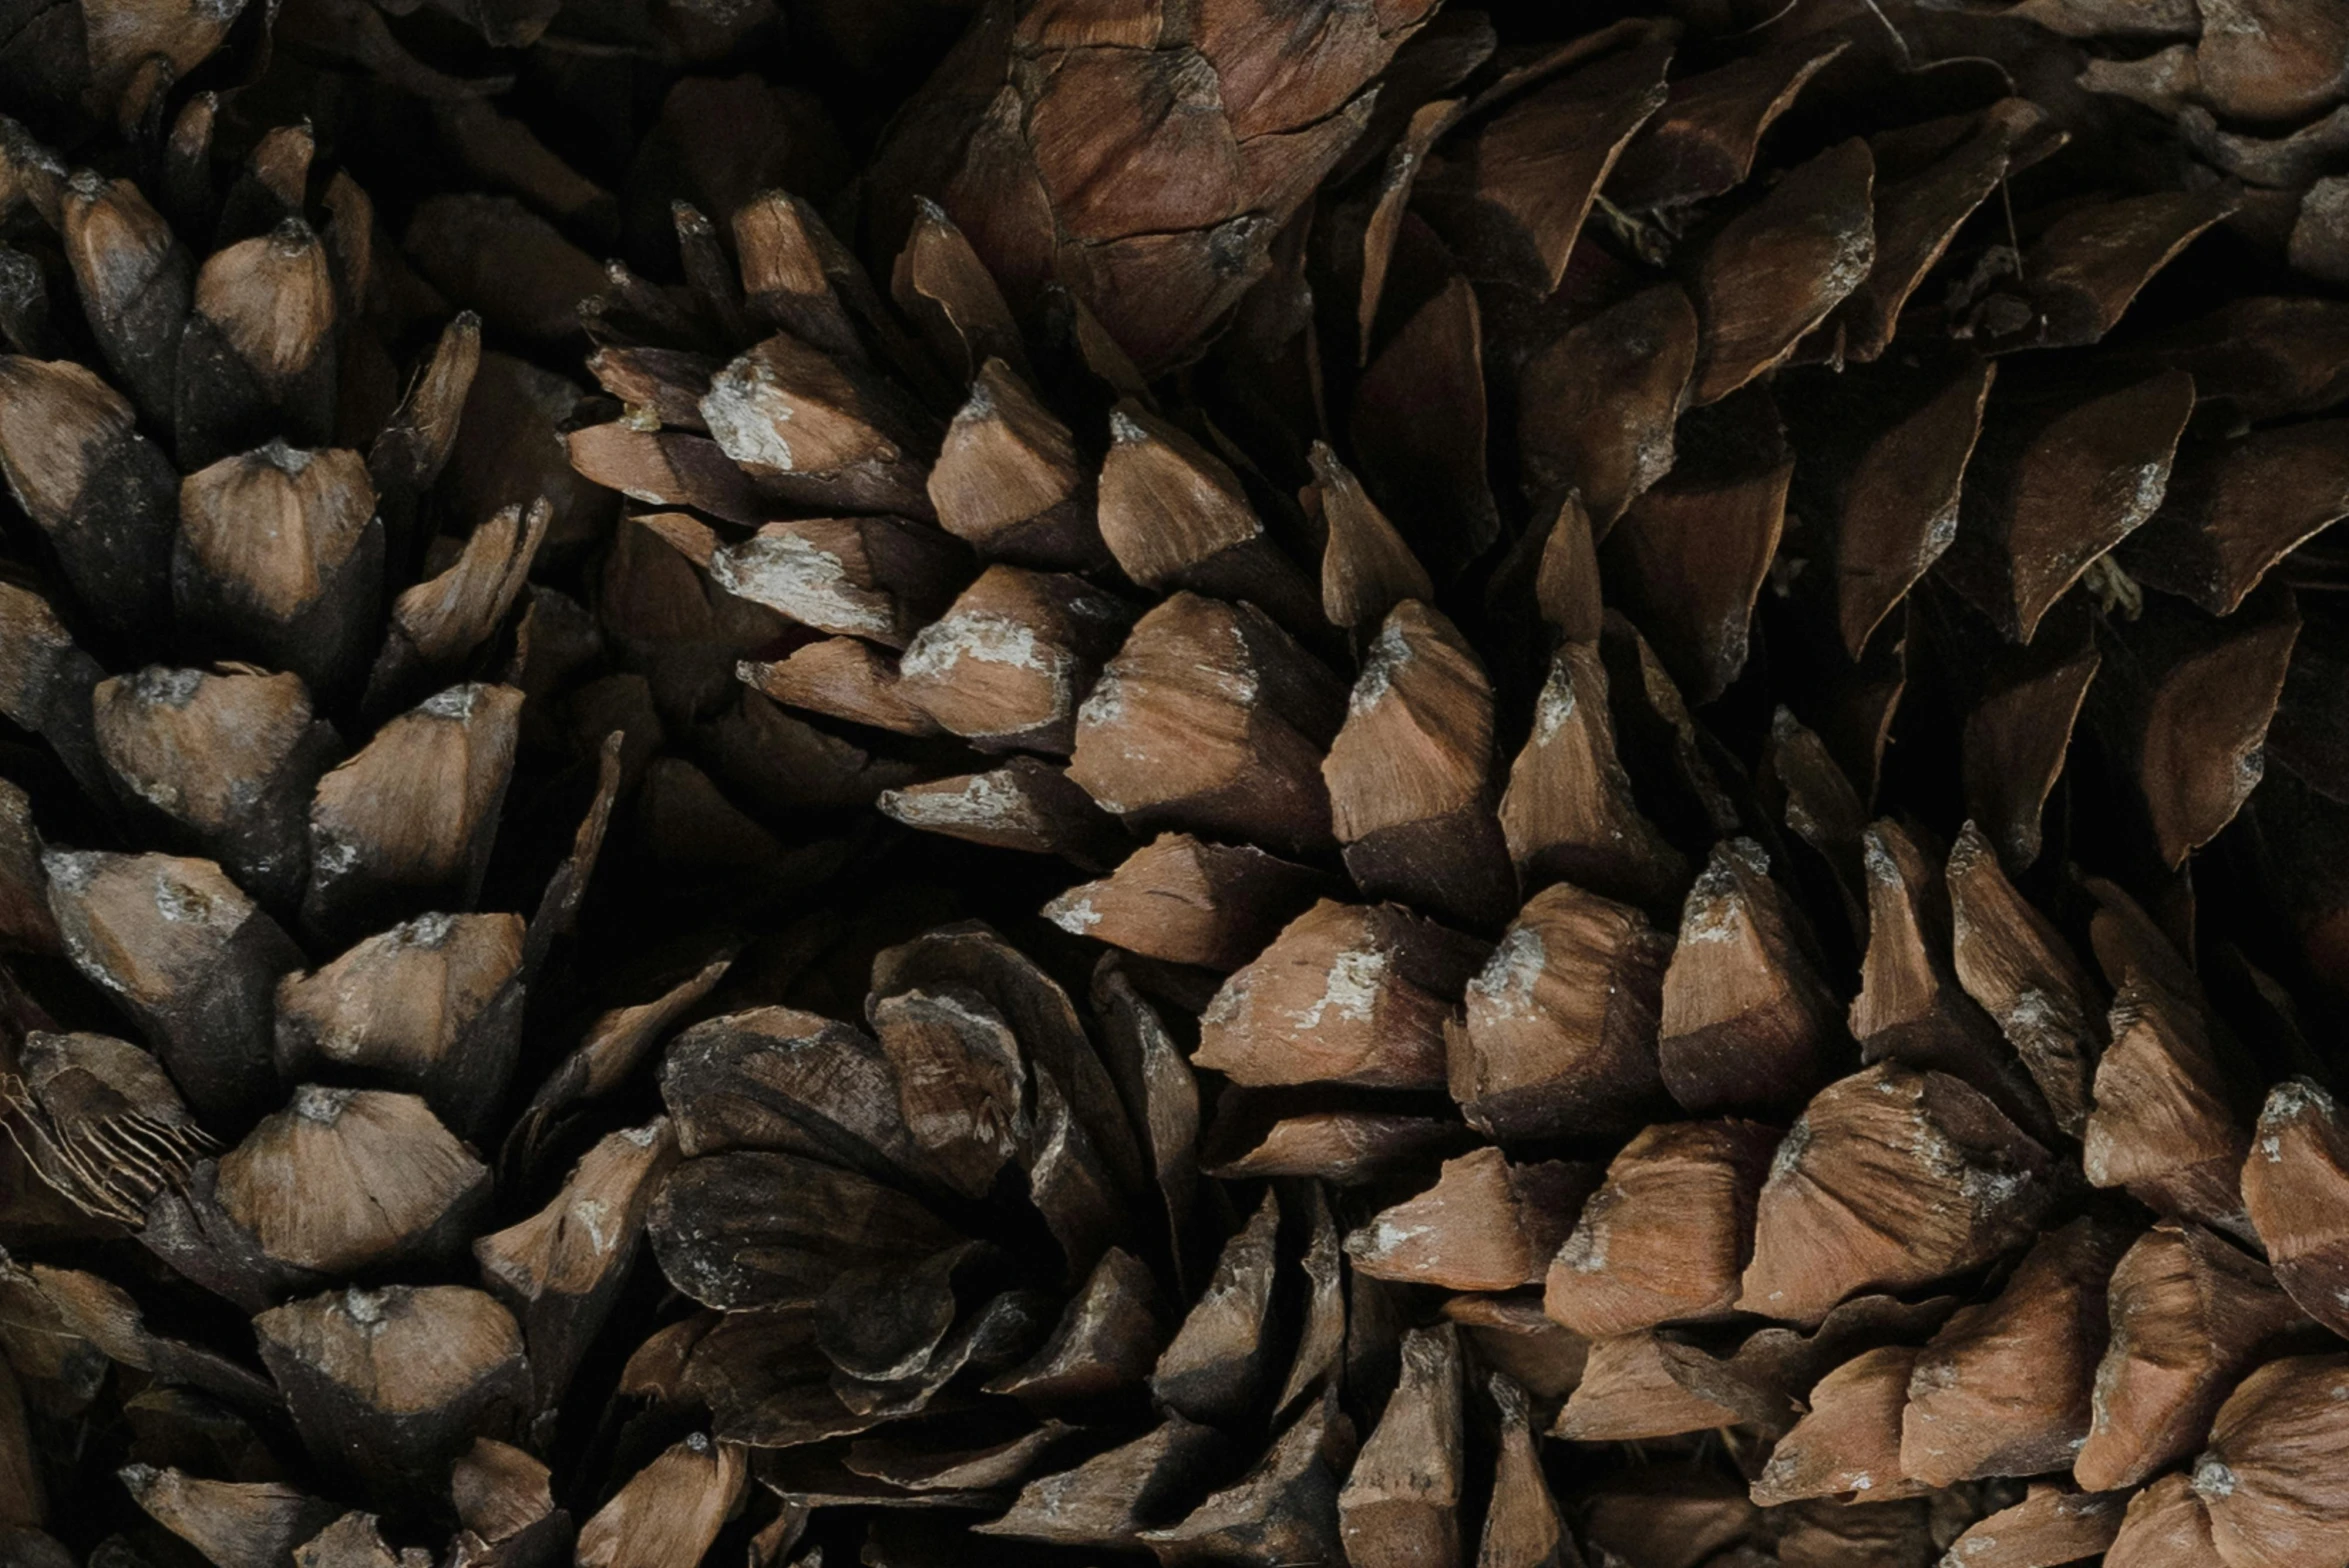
1268,782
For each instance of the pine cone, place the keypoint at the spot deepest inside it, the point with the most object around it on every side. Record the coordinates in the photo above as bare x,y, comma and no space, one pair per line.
1762,525
1685,671
974,1243
283,712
